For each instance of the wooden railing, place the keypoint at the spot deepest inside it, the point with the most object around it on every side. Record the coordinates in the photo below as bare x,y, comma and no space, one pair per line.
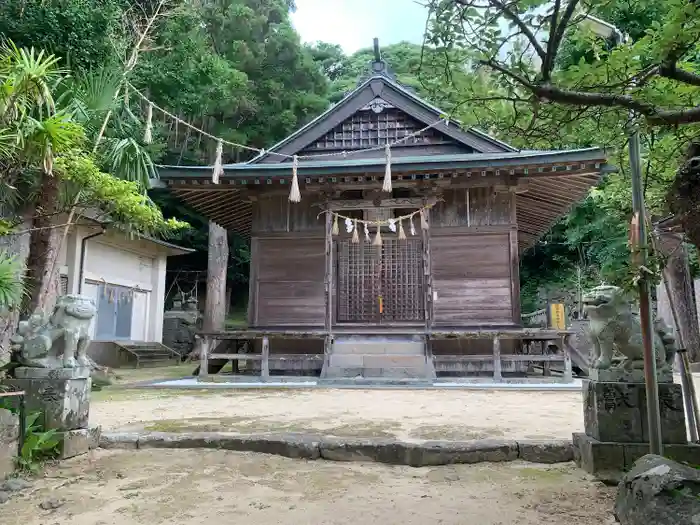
536,318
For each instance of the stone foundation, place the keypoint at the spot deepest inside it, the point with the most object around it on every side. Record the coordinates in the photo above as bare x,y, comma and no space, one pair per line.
62,395
617,427
608,461
9,440
78,442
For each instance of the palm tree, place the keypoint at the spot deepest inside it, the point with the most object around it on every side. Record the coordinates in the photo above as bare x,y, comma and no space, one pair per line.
46,114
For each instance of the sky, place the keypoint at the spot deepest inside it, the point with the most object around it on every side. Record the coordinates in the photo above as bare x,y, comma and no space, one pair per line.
354,23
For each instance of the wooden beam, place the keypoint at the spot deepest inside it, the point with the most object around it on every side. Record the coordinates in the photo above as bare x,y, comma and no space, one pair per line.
497,376
568,369
265,367
515,276
328,278
427,276
204,347
363,204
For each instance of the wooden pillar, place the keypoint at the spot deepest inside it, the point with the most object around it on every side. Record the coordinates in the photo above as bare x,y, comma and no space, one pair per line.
568,370
265,365
546,365
215,305
328,279
497,375
204,348
428,298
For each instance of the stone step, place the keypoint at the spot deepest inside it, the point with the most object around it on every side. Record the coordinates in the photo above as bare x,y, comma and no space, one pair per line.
418,373
374,381
376,361
379,347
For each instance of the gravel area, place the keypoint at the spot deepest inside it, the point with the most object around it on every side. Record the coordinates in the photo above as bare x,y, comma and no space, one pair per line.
190,487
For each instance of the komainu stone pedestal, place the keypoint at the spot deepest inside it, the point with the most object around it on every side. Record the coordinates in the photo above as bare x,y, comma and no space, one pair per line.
63,396
617,427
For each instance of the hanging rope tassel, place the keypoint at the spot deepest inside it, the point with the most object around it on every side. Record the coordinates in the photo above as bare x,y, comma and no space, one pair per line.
378,238
294,193
424,219
148,133
336,229
218,166
355,234
387,173
402,234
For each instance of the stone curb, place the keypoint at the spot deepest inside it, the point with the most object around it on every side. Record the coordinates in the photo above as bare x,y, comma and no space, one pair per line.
308,446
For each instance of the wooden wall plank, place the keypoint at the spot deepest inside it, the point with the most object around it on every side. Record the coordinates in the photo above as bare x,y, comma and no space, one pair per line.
290,287
274,213
478,206
472,278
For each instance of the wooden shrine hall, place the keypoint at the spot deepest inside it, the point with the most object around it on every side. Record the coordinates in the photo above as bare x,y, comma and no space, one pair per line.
385,242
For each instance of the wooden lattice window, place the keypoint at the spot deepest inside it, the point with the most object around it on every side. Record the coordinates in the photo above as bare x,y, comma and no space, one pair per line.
367,129
392,272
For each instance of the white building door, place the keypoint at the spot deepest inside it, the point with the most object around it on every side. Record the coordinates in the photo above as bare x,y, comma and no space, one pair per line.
139,322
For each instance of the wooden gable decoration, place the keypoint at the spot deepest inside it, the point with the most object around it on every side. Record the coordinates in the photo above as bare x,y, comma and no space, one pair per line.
377,112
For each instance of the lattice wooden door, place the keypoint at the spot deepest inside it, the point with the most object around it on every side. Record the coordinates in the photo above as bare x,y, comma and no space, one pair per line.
380,284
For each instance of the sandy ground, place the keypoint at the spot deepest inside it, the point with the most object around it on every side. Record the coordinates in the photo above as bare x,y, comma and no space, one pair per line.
405,414
188,487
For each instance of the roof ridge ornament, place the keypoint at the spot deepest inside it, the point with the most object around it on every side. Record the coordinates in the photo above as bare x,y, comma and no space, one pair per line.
379,66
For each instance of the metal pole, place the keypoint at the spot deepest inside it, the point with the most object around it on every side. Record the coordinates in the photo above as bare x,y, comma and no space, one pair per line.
652,387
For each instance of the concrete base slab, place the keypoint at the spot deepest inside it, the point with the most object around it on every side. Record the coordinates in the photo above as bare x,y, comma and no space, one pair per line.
248,382
608,461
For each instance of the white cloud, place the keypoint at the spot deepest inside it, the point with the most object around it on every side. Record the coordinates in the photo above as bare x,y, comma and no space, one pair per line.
354,23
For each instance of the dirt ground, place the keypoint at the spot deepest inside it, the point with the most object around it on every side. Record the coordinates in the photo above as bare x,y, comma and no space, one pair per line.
190,487
405,414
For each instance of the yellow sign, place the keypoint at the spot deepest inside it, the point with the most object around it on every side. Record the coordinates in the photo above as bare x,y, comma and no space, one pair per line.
557,317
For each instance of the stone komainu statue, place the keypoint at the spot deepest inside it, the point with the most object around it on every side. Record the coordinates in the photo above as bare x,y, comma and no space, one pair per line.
614,327
59,342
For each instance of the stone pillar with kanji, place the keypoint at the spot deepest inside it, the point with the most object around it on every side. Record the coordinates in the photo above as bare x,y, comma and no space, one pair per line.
617,427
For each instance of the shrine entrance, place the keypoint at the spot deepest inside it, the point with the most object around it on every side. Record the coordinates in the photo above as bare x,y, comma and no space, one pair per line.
380,284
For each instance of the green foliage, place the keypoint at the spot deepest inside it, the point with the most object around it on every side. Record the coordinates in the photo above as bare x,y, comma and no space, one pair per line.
39,444
11,287
81,32
235,68
122,200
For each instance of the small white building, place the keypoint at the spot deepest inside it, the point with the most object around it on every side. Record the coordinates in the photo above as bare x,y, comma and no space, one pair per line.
124,275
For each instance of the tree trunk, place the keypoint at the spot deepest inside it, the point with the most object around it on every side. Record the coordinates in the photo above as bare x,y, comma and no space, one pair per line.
215,306
45,245
677,274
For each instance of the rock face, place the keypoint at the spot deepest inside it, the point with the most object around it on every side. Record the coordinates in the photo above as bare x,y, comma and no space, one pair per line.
659,491
180,325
